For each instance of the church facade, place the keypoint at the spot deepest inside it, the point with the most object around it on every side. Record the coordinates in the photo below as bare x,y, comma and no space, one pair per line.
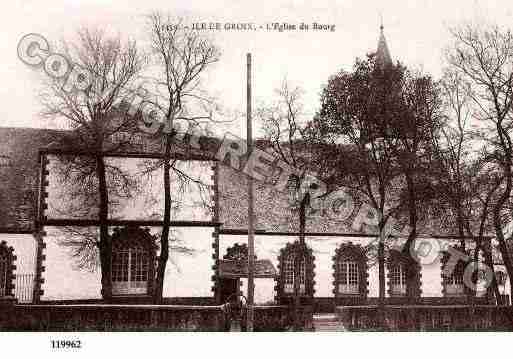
40,260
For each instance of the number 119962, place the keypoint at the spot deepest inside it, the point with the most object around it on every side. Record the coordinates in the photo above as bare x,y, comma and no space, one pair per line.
66,344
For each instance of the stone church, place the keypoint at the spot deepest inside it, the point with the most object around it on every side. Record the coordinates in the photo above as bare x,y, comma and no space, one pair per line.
40,221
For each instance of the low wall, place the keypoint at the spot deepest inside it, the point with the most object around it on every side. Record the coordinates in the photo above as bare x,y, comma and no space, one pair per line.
142,317
188,301
111,317
426,318
328,304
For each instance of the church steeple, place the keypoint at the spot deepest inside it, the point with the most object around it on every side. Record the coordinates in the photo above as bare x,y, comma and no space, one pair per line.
383,57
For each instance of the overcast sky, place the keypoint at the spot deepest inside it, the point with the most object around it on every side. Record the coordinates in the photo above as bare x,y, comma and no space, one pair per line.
416,32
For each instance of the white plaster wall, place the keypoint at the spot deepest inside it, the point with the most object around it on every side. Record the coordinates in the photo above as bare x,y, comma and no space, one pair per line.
62,278
268,247
25,251
190,275
431,279
186,275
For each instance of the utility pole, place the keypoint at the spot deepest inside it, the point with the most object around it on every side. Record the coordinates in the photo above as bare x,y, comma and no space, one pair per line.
251,225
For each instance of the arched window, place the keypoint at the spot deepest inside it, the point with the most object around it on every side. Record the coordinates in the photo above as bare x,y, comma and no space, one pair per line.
348,277
398,279
133,261
287,276
350,265
403,275
130,270
6,270
453,285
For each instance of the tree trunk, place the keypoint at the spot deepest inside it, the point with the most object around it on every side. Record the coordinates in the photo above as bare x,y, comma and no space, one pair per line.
298,258
487,252
381,274
411,276
381,264
487,247
164,238
412,211
105,239
461,226
497,220
504,251
472,296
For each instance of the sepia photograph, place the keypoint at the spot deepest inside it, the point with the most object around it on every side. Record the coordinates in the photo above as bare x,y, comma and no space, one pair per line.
273,166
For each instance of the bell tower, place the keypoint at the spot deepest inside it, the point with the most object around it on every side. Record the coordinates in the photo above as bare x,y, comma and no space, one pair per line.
383,57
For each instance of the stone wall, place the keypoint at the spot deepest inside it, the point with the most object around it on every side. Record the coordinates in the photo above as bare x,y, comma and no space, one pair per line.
97,317
123,317
426,318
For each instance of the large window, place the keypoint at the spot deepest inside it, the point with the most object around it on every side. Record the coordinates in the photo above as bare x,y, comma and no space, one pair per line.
398,279
403,275
289,275
130,270
350,273
348,277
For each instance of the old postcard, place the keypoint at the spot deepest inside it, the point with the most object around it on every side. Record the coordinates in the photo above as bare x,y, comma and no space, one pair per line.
228,166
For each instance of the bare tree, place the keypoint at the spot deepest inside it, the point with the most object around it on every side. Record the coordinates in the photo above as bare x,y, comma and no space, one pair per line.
112,66
452,151
180,56
284,127
466,181
483,56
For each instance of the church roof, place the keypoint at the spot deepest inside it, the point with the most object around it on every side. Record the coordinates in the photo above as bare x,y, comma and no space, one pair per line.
19,174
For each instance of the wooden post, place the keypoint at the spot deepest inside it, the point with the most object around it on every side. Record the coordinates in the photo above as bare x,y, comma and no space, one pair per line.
251,226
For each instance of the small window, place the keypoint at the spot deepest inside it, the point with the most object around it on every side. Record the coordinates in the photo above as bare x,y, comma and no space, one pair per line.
398,279
348,277
130,270
289,275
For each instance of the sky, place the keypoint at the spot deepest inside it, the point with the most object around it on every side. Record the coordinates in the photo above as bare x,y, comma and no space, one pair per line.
416,33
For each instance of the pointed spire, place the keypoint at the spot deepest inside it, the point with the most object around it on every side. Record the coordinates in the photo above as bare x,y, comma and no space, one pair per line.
383,57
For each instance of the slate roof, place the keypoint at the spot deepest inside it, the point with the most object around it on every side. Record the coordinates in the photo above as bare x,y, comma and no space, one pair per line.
383,57
19,171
